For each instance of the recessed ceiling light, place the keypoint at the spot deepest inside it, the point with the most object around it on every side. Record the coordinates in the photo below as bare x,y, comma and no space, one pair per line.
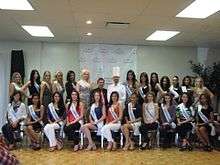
88,34
38,31
15,5
160,35
200,9
89,22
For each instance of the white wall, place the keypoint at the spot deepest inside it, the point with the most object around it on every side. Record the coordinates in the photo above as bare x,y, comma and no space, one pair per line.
64,56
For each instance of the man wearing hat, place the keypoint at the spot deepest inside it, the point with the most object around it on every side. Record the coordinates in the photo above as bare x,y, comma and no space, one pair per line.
117,86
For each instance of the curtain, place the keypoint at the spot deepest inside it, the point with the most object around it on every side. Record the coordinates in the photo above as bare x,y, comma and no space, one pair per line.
4,81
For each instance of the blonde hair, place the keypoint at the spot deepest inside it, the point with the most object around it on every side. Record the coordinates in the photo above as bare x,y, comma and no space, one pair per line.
13,77
198,85
44,79
86,71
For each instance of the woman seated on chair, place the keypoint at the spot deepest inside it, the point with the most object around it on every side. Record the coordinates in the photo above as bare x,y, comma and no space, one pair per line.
74,119
96,118
56,116
132,121
34,121
16,115
184,114
167,119
114,116
205,118
150,119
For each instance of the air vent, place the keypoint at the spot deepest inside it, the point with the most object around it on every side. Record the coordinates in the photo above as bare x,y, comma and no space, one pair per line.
118,25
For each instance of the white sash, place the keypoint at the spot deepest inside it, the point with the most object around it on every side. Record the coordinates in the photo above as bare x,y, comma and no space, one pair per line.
84,84
93,114
12,113
147,111
33,114
114,115
142,93
37,86
130,112
183,109
206,120
53,112
75,113
128,90
184,89
167,116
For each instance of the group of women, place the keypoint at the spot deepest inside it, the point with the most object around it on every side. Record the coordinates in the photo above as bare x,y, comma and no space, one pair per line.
150,106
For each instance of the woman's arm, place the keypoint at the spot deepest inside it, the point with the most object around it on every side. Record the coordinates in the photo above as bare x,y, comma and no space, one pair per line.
43,85
11,89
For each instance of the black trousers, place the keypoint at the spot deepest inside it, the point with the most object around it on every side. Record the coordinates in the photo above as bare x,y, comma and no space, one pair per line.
71,133
8,132
166,135
144,128
183,129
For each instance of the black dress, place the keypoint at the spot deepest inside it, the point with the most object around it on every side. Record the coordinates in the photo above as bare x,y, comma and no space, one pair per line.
69,86
36,126
33,89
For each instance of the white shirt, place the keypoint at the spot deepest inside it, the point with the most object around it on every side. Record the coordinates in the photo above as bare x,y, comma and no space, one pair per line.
19,114
118,88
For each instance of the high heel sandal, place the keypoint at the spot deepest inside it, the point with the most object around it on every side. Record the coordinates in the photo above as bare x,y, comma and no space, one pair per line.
109,146
76,148
126,147
183,148
131,146
91,147
51,149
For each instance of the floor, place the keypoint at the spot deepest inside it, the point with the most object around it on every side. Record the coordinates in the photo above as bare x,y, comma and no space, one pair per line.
100,157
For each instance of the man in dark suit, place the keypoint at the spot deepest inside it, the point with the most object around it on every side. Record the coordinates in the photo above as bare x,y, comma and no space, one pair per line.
102,90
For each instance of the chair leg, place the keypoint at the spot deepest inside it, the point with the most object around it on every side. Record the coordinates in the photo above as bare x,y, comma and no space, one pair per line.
158,138
102,141
140,139
81,138
121,140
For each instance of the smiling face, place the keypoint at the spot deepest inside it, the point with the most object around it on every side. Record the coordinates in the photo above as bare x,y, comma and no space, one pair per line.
97,97
36,75
35,100
85,75
187,81
114,97
17,78
59,76
175,81
56,98
154,78
199,82
130,76
47,76
185,98
72,77
150,98
74,96
167,99
17,97
101,83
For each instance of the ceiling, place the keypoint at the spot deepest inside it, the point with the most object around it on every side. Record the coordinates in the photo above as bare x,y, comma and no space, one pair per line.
66,19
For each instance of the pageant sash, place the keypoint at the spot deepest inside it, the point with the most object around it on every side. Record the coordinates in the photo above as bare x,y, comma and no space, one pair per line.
33,114
53,112
183,109
206,120
93,114
75,113
147,110
142,93
114,115
128,90
131,112
12,113
167,116
37,86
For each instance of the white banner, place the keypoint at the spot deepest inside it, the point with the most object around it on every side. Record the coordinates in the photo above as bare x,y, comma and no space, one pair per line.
99,59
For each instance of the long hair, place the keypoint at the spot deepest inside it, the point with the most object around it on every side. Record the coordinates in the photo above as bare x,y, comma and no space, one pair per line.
171,98
189,102
167,86
153,84
36,95
208,98
32,77
68,77
150,93
44,79
133,77
178,84
71,100
13,77
61,105
144,74
93,98
117,94
190,81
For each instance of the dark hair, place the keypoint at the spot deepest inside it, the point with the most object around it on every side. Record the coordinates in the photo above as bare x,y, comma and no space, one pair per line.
150,93
134,77
36,95
68,76
93,98
178,84
100,79
183,81
144,74
32,77
117,94
153,84
171,97
207,96
189,102
167,86
61,105
15,93
71,100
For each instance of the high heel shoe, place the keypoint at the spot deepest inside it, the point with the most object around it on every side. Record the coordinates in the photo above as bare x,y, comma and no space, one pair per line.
91,147
109,148
132,146
76,148
126,147
143,146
